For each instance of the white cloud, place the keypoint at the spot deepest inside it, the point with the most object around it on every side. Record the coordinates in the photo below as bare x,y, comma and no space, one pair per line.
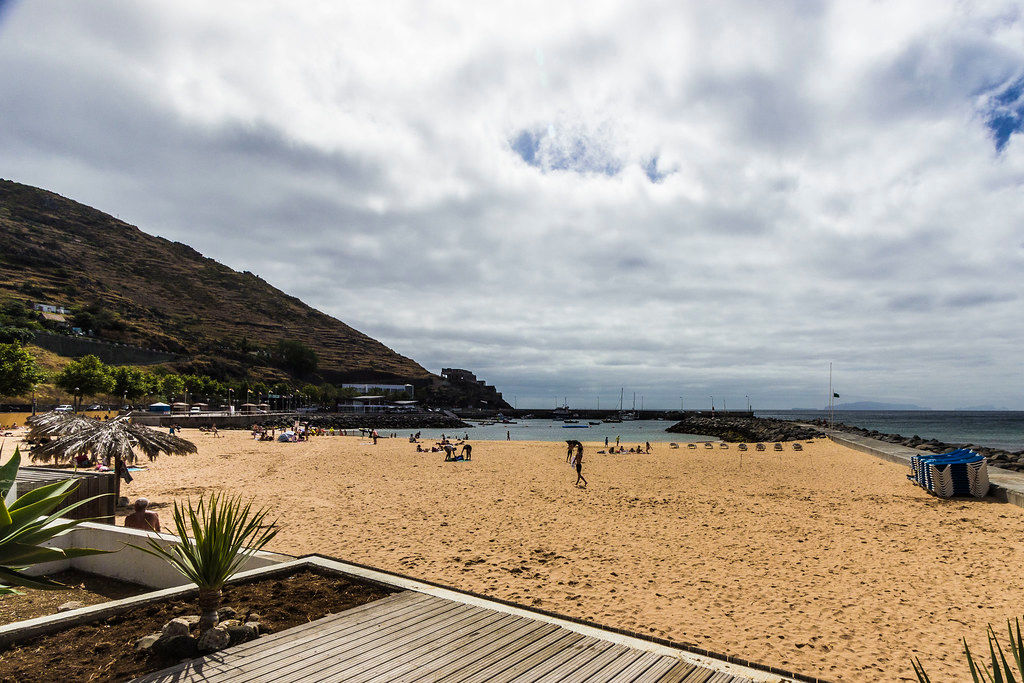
723,196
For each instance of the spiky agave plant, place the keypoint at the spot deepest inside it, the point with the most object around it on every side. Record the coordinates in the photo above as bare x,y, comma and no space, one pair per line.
999,669
30,521
225,532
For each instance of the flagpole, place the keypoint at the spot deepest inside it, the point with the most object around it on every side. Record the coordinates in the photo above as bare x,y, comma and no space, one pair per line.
831,417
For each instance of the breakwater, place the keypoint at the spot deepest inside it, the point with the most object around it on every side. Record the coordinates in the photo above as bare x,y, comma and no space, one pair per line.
737,428
1009,460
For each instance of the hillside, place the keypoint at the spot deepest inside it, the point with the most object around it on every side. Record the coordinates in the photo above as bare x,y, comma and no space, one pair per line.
151,292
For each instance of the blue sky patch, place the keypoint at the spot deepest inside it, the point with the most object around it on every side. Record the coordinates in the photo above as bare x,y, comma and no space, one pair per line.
1004,112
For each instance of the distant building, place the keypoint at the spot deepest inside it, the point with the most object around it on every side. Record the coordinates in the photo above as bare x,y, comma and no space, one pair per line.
390,388
50,308
363,404
459,375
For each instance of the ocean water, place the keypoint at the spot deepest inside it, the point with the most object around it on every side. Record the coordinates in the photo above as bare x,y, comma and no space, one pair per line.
630,432
997,429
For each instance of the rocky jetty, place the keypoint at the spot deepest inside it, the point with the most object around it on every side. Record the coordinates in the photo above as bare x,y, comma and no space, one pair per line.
392,421
996,457
743,429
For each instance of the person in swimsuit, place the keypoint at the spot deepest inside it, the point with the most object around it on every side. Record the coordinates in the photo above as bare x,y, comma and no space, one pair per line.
579,466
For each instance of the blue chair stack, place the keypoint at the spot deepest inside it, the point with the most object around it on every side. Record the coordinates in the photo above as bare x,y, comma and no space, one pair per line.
961,472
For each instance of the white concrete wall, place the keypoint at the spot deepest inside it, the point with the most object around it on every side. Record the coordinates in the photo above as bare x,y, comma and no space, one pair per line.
128,563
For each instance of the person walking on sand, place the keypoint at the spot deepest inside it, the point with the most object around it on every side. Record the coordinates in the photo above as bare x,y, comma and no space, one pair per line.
616,442
508,435
579,466
648,443
606,442
375,436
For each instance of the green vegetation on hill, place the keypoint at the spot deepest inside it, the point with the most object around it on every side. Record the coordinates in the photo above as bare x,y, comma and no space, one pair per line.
133,288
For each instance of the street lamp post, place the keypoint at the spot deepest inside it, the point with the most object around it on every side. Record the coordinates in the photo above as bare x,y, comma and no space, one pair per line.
680,404
712,403
748,402
76,398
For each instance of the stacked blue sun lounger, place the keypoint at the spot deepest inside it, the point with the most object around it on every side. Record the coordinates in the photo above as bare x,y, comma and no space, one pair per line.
962,472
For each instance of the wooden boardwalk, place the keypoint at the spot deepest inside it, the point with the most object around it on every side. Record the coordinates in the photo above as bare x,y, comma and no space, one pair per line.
411,636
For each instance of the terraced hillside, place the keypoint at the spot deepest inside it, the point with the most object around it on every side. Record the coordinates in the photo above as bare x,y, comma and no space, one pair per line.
164,295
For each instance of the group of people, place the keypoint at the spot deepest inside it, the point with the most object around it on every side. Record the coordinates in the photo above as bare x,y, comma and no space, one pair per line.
447,447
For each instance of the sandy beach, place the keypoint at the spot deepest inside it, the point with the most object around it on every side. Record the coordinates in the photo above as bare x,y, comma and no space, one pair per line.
825,562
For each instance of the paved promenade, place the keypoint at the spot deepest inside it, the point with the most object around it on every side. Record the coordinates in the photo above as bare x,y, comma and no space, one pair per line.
1007,486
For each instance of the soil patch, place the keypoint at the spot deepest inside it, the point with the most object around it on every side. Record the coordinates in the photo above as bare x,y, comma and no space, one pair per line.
88,589
104,650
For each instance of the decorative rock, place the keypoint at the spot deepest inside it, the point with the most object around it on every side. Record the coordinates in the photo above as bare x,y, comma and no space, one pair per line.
175,627
217,638
178,647
146,643
226,613
191,619
241,633
254,616
68,606
254,625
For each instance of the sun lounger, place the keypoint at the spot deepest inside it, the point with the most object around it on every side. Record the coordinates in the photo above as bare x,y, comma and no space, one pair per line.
691,445
707,444
724,445
778,446
760,447
742,446
797,446
674,445
961,472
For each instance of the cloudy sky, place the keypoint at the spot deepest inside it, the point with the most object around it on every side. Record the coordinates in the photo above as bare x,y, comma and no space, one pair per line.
682,199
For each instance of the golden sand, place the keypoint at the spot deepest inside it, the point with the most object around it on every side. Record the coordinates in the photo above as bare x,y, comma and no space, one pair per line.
826,562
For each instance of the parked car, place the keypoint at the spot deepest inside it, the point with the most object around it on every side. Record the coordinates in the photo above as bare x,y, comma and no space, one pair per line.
96,406
64,409
195,410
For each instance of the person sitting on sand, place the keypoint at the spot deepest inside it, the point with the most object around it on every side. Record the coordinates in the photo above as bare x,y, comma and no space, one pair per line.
419,448
467,450
142,518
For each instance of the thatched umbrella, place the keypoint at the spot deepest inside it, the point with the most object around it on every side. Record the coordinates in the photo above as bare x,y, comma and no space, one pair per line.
117,439
54,423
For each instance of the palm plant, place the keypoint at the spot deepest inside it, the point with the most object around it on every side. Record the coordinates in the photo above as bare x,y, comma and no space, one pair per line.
225,533
30,521
999,670
116,439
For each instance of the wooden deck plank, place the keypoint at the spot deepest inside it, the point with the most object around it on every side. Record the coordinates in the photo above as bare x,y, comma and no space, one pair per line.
553,666
678,673
440,654
359,644
520,628
499,668
636,669
616,666
699,675
658,670
591,668
511,650
313,640
377,666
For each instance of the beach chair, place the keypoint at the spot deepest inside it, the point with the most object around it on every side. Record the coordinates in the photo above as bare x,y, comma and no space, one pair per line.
724,446
674,445
797,446
778,446
691,445
742,447
707,445
760,447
